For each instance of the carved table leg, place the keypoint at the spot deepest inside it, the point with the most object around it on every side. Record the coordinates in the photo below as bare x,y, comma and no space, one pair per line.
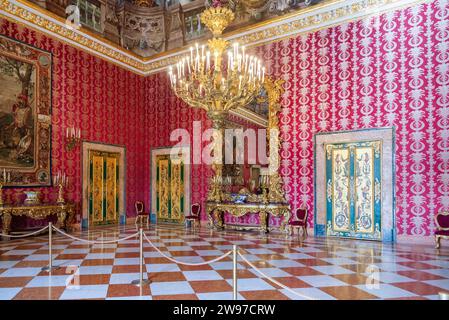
69,220
437,240
6,219
219,218
210,217
285,225
263,217
61,219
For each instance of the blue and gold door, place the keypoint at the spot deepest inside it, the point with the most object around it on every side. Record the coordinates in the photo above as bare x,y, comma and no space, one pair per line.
103,187
353,193
169,190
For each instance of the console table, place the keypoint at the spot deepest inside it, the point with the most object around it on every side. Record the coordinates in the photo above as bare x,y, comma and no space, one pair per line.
215,212
65,213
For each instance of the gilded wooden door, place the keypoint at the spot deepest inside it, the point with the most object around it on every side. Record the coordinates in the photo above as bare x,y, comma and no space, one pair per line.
353,193
169,190
103,188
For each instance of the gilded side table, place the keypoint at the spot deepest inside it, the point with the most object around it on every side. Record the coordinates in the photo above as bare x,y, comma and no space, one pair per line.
65,213
215,213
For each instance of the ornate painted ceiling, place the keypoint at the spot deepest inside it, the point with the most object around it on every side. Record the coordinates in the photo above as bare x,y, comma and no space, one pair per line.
145,36
149,27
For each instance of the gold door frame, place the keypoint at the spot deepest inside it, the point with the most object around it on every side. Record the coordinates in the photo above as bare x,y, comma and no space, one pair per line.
185,157
103,188
169,190
121,150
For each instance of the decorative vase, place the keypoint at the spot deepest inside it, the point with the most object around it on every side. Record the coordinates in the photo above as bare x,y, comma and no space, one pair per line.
32,197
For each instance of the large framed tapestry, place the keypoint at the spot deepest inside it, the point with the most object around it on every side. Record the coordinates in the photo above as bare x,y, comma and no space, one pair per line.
25,113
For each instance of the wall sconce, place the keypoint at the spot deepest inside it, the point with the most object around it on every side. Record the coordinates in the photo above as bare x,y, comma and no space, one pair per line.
72,138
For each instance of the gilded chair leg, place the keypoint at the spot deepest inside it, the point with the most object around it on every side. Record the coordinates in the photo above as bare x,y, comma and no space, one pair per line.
437,240
199,224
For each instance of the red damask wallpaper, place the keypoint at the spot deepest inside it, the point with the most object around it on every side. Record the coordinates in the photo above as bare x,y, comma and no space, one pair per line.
101,99
383,71
163,114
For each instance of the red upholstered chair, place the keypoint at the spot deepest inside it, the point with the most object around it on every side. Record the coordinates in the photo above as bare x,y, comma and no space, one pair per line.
442,227
299,221
195,215
141,214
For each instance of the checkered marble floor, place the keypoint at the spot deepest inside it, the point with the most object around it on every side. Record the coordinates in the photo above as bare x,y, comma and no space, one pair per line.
317,268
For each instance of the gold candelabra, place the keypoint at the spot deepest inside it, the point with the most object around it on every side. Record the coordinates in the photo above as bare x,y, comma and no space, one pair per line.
6,178
60,180
1,194
215,188
264,185
72,137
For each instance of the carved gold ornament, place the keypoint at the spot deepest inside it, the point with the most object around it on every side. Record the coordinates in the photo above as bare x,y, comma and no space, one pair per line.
215,212
210,79
217,19
64,212
309,19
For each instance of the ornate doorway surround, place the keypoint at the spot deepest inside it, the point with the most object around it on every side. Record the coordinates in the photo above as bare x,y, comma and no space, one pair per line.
115,157
103,195
170,185
354,184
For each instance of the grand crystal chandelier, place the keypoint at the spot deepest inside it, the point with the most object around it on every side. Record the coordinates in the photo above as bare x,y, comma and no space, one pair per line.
220,76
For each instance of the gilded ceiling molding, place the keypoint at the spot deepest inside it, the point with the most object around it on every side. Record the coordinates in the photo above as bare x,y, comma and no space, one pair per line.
34,17
321,16
310,19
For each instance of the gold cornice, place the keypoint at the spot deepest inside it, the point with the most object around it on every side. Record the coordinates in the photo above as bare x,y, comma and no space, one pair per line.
310,19
37,18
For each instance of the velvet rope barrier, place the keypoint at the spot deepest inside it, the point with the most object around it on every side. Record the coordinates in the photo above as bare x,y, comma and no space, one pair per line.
186,263
93,241
273,280
24,235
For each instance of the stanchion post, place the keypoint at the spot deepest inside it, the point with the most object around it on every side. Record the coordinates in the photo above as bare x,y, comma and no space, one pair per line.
234,272
141,281
50,246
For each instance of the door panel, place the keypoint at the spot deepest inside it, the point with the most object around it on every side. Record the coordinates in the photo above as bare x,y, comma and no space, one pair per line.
97,189
353,189
111,189
169,190
103,188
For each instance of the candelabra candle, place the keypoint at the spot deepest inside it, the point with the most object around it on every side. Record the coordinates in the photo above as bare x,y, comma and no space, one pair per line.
6,178
60,180
73,137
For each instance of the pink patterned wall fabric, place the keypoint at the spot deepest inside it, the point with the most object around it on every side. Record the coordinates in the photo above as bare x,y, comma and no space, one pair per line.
163,114
101,99
385,71
390,70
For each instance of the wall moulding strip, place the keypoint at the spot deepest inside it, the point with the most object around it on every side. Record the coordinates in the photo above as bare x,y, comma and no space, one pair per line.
324,15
